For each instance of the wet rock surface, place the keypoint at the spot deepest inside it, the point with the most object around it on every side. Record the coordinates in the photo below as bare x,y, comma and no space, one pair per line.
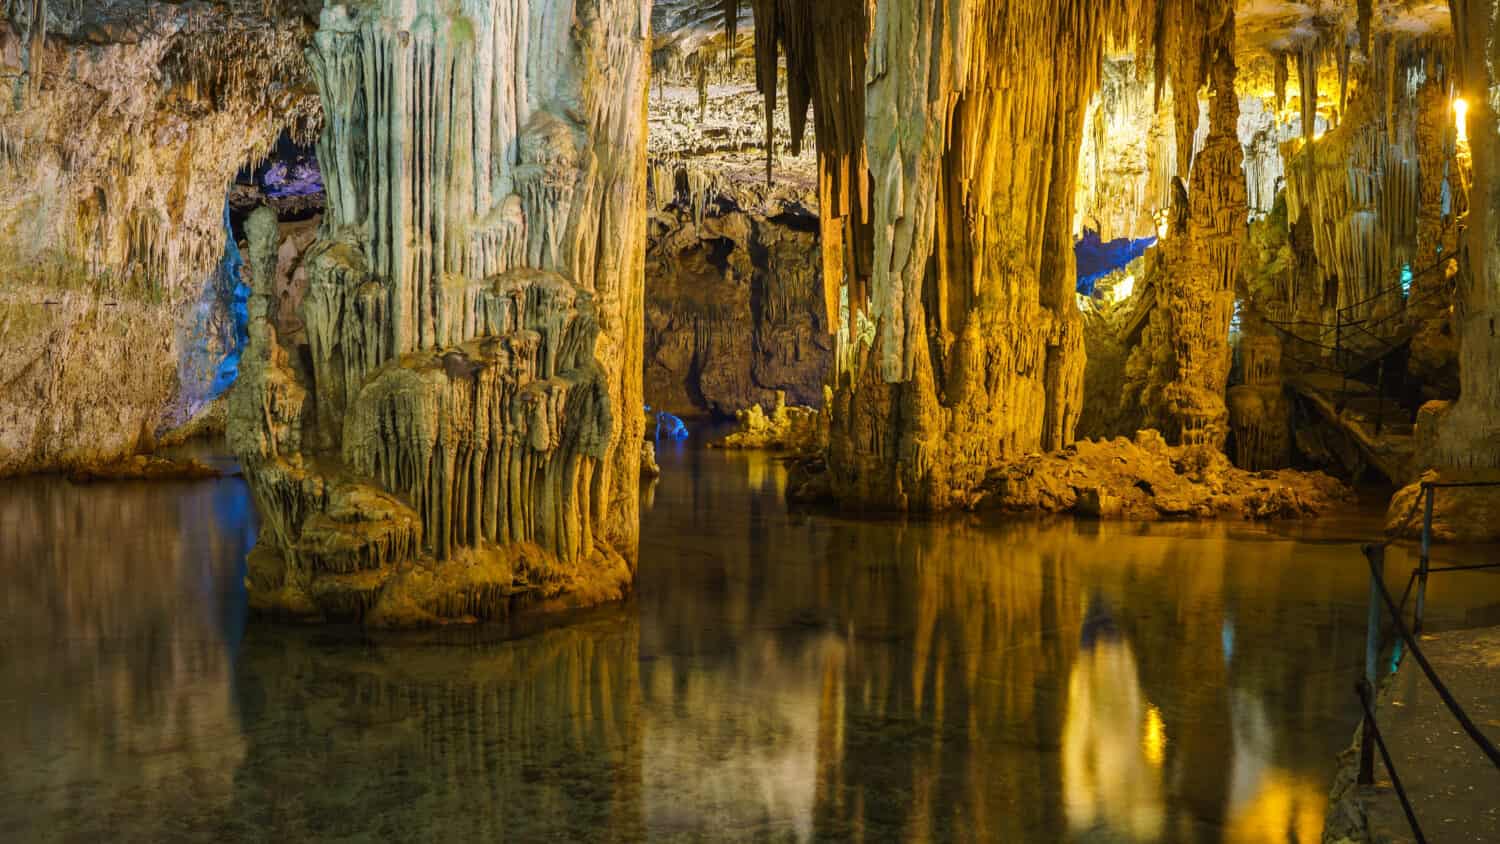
123,122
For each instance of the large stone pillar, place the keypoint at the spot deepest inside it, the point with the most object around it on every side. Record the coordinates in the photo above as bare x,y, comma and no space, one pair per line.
460,435
1185,357
1468,434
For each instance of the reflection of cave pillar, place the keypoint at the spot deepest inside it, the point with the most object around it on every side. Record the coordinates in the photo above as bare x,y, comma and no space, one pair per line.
1112,742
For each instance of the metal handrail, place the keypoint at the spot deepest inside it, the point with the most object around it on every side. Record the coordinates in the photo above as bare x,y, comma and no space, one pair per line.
1380,598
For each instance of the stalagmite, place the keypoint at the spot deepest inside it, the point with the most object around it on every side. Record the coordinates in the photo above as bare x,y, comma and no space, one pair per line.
1189,352
457,444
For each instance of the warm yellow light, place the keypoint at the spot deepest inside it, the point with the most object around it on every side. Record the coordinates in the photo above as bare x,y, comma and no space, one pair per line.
1461,117
1154,737
1124,288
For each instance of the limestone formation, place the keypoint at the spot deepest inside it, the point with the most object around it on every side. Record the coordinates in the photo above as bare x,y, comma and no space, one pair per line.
801,430
123,123
1461,441
440,432
1147,479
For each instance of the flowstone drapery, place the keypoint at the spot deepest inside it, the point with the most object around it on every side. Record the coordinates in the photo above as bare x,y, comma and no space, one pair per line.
456,436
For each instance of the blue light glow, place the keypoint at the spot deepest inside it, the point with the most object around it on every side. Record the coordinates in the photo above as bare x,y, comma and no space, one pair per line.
669,426
1097,259
239,297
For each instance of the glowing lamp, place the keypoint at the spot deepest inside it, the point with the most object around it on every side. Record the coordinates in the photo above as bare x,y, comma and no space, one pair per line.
1461,117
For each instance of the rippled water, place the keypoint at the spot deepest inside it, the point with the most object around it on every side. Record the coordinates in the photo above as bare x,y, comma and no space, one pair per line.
776,677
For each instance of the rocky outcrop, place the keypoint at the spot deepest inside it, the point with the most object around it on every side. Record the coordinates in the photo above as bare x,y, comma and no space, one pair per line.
445,435
124,126
803,430
1146,479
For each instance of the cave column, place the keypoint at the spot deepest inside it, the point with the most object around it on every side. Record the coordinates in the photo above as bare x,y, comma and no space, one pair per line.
1460,441
1199,285
1468,435
973,123
472,374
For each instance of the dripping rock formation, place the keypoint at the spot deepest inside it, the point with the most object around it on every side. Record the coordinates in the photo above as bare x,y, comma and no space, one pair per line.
446,429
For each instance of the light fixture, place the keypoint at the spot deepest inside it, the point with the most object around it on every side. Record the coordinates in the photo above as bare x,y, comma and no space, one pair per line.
1461,117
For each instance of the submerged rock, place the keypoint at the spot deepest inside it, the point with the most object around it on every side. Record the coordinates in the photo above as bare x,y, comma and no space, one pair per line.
145,468
649,467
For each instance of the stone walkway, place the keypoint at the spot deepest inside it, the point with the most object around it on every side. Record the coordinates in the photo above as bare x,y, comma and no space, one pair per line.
1454,789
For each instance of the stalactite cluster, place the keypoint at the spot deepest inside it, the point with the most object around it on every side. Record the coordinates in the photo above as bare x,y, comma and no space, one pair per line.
825,46
458,443
974,111
1361,185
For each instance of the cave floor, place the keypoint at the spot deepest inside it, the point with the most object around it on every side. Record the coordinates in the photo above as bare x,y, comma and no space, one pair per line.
1452,786
775,676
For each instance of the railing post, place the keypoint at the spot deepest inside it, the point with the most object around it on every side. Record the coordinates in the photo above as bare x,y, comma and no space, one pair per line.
1338,361
1376,555
1380,399
1425,560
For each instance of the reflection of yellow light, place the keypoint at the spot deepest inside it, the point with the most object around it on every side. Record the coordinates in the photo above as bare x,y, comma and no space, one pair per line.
1154,738
1284,808
1461,117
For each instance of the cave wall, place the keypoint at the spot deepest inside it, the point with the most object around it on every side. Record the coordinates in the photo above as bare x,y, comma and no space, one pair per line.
455,433
734,298
124,124
1466,434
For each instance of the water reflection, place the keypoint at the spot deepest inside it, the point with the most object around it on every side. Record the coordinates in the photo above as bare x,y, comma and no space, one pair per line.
118,624
776,677
1114,741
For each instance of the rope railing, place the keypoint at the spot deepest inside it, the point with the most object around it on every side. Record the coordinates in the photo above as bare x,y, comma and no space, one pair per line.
1381,600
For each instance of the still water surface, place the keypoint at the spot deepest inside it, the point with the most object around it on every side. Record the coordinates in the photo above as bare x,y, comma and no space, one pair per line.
776,678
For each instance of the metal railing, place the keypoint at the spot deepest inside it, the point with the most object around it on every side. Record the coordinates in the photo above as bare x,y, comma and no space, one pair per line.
1361,342
1381,604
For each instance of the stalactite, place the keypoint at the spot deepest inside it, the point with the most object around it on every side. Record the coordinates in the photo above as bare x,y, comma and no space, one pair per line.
825,46
473,320
1359,183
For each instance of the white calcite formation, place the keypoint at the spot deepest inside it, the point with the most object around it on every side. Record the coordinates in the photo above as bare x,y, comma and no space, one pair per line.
458,438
